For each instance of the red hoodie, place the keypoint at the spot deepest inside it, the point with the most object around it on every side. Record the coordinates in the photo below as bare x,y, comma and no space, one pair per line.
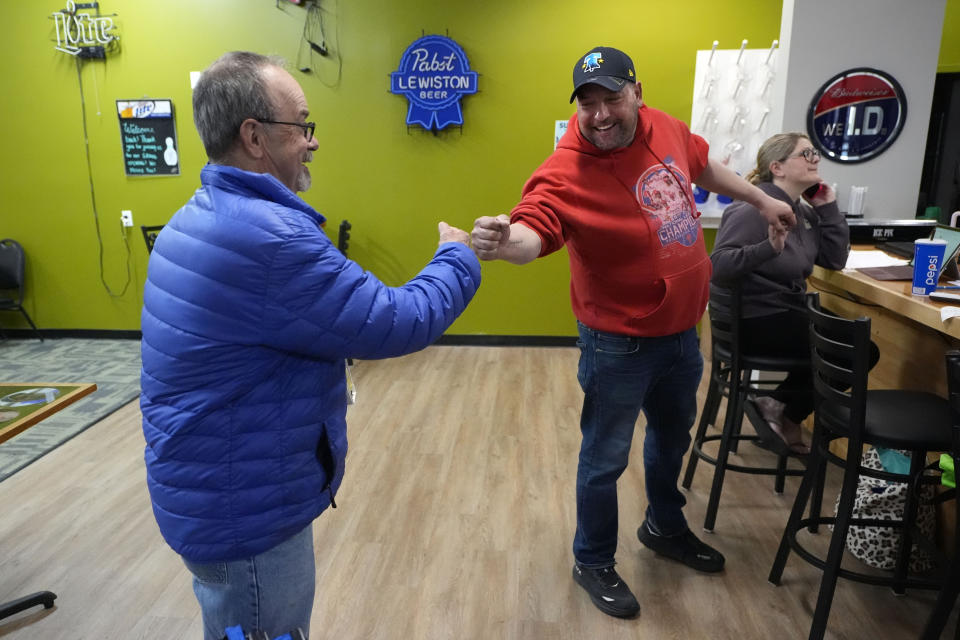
638,265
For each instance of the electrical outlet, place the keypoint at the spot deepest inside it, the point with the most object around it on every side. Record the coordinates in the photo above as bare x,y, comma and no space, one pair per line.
126,217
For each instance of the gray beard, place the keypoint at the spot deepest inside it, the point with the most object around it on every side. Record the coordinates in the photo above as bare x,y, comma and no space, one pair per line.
303,182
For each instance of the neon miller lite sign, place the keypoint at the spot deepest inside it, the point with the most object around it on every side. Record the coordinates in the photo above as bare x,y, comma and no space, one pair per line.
78,31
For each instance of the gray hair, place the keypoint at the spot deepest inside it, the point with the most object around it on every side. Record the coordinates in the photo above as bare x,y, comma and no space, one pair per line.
228,92
774,149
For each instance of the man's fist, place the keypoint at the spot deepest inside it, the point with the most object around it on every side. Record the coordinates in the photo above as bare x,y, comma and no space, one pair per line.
452,234
489,235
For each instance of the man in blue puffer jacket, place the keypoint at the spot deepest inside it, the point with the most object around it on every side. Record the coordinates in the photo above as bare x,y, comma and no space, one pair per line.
249,311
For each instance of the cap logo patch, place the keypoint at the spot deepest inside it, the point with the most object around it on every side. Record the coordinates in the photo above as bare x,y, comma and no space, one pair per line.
592,61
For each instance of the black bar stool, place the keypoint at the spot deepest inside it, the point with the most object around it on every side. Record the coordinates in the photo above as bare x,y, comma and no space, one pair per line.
951,575
731,377
914,421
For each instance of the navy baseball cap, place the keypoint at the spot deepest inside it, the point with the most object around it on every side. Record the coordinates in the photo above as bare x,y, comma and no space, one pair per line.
608,67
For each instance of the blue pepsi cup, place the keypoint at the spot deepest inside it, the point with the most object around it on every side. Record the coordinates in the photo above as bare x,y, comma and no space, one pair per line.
927,260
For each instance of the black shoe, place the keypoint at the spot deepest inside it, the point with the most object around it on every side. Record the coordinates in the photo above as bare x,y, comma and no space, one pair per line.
685,548
607,590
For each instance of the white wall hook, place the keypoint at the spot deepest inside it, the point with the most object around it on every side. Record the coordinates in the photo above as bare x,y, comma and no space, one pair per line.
743,45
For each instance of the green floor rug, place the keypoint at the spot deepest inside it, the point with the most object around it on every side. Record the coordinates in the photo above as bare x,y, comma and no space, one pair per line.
113,365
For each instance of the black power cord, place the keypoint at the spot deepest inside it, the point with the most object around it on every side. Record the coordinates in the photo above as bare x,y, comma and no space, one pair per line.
93,197
312,32
314,40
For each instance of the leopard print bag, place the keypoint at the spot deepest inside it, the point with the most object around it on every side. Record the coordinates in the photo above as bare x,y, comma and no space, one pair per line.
876,498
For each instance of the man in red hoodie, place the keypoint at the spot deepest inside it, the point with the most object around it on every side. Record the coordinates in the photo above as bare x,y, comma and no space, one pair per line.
617,192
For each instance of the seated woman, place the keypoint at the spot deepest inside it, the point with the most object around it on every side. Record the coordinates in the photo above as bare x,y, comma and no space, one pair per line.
772,268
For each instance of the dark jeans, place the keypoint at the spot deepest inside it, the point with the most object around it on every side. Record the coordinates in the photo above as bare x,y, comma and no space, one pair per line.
620,375
787,334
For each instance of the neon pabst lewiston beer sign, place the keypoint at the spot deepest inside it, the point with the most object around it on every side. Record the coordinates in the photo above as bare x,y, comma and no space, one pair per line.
434,74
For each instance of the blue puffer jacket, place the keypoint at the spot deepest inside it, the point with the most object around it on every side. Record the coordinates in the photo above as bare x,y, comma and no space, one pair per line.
248,313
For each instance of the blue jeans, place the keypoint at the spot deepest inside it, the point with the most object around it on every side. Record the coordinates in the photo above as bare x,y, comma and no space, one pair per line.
620,375
272,591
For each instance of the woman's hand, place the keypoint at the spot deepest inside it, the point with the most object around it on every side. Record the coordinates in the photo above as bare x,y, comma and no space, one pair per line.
825,195
777,237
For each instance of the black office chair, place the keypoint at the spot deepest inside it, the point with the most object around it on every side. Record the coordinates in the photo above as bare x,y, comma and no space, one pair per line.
150,235
913,421
12,268
13,607
731,376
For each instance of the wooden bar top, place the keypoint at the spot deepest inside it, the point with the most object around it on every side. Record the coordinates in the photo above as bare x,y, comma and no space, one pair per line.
893,295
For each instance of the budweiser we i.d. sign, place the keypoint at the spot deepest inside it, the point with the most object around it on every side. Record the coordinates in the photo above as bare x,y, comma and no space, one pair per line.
856,115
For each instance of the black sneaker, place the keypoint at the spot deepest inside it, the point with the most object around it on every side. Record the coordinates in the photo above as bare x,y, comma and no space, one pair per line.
685,548
607,590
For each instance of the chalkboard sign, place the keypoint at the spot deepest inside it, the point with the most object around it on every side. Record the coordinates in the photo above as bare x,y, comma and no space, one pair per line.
148,135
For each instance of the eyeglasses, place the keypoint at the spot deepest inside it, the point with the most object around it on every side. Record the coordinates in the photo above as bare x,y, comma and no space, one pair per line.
307,127
809,154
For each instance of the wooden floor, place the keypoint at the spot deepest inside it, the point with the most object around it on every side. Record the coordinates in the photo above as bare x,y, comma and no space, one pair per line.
455,520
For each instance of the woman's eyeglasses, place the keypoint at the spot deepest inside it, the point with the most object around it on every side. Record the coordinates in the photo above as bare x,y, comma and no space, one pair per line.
809,154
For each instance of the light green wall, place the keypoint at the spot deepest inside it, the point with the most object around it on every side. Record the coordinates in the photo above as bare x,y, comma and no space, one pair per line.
950,42
392,184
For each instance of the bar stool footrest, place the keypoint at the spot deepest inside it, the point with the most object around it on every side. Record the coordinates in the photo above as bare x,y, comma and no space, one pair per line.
698,451
856,576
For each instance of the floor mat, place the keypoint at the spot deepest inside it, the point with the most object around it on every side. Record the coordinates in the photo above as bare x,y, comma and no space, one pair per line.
114,365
